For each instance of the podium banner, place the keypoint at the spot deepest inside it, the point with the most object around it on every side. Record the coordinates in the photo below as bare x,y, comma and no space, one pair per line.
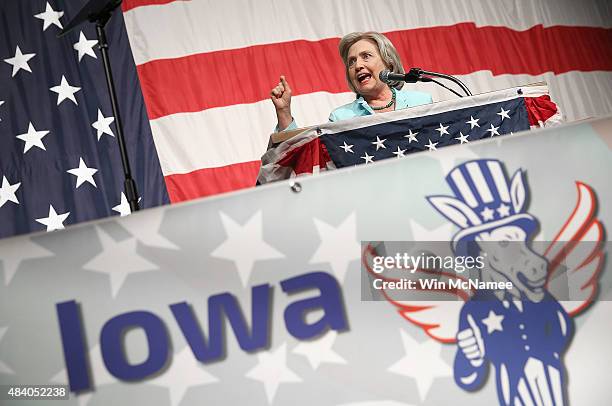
367,139
256,296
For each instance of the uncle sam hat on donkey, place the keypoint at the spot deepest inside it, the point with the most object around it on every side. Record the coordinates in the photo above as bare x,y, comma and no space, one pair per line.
485,199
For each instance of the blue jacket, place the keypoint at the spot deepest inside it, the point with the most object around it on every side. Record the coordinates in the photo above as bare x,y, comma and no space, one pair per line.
360,107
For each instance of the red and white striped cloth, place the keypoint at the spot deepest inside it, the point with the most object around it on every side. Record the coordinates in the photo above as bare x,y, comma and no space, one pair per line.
206,67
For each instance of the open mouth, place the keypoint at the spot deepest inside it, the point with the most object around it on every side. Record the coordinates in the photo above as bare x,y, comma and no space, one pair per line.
534,286
363,77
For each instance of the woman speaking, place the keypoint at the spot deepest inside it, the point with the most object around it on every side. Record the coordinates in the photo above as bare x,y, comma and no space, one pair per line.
365,55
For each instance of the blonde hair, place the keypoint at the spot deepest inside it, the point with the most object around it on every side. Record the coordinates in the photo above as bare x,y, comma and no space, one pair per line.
387,51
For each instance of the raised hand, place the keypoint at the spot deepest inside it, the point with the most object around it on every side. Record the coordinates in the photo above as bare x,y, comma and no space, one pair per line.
281,98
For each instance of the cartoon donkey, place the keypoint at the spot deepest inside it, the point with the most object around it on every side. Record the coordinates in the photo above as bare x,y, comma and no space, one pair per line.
522,332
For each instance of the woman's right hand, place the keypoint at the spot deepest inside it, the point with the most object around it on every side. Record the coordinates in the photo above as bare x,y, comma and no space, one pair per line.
281,98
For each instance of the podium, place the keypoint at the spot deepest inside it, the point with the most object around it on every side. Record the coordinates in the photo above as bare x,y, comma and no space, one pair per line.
425,128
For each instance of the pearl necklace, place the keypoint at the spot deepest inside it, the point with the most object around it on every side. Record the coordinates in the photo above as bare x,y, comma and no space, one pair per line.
388,104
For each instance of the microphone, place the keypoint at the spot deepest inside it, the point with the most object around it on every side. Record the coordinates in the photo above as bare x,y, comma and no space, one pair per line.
416,75
413,76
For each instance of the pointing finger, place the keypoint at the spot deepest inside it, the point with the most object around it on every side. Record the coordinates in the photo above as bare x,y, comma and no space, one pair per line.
285,83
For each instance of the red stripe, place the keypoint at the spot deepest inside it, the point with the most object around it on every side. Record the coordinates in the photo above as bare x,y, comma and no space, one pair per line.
246,75
130,4
211,181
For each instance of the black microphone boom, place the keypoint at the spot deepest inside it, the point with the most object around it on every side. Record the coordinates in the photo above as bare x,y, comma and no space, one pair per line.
417,75
411,77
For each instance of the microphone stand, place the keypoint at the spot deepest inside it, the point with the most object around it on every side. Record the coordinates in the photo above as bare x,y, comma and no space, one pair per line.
99,12
416,75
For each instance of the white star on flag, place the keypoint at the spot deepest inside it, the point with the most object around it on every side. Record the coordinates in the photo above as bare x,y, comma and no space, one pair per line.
432,146
347,148
33,138
379,143
85,46
102,125
15,250
105,262
123,208
493,322
7,191
65,91
399,153
4,369
442,129
83,174
493,130
185,372
473,122
272,371
320,350
422,363
50,16
339,245
244,245
411,136
368,158
54,221
462,138
503,113
20,61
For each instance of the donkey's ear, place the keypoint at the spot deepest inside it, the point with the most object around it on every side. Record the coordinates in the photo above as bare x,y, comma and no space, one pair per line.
455,210
517,191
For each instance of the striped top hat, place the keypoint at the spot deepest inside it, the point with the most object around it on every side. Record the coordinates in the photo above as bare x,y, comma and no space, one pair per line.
485,199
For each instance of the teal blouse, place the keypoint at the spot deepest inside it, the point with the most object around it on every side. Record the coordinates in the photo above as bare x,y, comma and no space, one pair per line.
360,107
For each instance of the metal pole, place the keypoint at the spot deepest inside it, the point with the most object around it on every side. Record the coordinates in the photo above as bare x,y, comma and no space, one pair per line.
129,185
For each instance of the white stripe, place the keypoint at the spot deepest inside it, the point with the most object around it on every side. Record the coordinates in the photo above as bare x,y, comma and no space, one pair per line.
217,137
536,376
524,393
505,383
562,323
463,187
555,380
192,27
239,133
500,180
479,182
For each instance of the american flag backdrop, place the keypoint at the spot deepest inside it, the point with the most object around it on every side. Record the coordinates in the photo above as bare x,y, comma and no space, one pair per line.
205,69
59,157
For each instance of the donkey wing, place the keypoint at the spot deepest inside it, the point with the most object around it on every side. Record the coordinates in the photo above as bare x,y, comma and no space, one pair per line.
575,255
435,310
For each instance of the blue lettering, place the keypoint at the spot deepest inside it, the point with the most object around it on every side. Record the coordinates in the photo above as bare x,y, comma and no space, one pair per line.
217,305
73,342
330,301
220,307
111,343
